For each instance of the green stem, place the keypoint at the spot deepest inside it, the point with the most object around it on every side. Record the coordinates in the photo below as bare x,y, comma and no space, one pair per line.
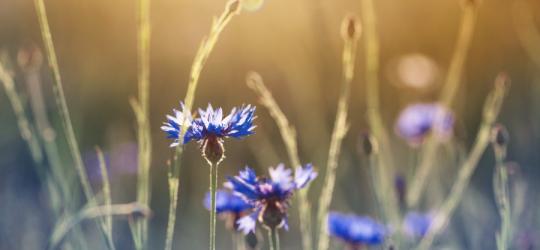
273,239
502,197
213,187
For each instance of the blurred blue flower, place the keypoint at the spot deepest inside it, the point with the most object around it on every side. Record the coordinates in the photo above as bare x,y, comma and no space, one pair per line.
227,202
417,120
211,125
356,230
269,196
417,224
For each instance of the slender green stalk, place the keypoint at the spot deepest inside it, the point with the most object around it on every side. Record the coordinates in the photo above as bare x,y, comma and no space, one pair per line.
213,188
448,94
106,222
502,196
340,129
273,239
141,109
492,107
374,118
233,8
288,134
61,99
63,227
25,127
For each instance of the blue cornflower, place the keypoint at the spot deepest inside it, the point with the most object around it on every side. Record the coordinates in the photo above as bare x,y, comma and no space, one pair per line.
230,207
269,196
355,230
417,224
210,128
227,202
417,120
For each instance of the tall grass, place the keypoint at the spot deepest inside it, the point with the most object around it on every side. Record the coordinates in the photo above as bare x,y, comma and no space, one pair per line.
60,98
288,135
141,109
232,8
447,97
350,34
385,164
491,110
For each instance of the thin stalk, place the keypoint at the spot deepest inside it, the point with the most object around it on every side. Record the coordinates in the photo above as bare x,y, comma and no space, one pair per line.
492,107
61,99
339,132
26,129
141,108
273,239
67,223
213,187
502,196
233,8
288,134
106,221
374,117
448,94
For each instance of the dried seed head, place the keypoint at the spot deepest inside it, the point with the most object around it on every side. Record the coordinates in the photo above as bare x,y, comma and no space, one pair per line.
350,28
368,144
499,135
251,240
234,7
30,58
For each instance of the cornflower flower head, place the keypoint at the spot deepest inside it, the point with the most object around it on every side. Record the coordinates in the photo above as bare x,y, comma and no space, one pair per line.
269,196
417,224
210,128
416,121
229,206
356,231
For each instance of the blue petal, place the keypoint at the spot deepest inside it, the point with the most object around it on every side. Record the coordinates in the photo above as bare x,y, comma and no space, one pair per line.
355,229
247,224
227,202
304,175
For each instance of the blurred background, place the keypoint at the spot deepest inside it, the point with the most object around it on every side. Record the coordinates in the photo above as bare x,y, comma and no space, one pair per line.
296,47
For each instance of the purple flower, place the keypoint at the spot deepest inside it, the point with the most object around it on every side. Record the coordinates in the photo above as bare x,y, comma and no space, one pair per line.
269,196
417,120
356,230
417,224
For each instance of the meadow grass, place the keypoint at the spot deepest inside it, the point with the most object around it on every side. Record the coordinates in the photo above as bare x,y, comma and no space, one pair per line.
288,135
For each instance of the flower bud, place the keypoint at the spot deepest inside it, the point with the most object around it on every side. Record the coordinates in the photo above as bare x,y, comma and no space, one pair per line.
30,58
368,144
234,7
499,135
350,28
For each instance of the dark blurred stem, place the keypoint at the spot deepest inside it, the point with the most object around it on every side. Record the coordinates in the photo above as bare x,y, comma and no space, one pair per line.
213,187
502,197
448,94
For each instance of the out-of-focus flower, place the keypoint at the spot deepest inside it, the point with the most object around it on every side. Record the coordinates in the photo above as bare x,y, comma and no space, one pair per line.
356,231
418,120
210,128
416,71
269,196
417,224
230,207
